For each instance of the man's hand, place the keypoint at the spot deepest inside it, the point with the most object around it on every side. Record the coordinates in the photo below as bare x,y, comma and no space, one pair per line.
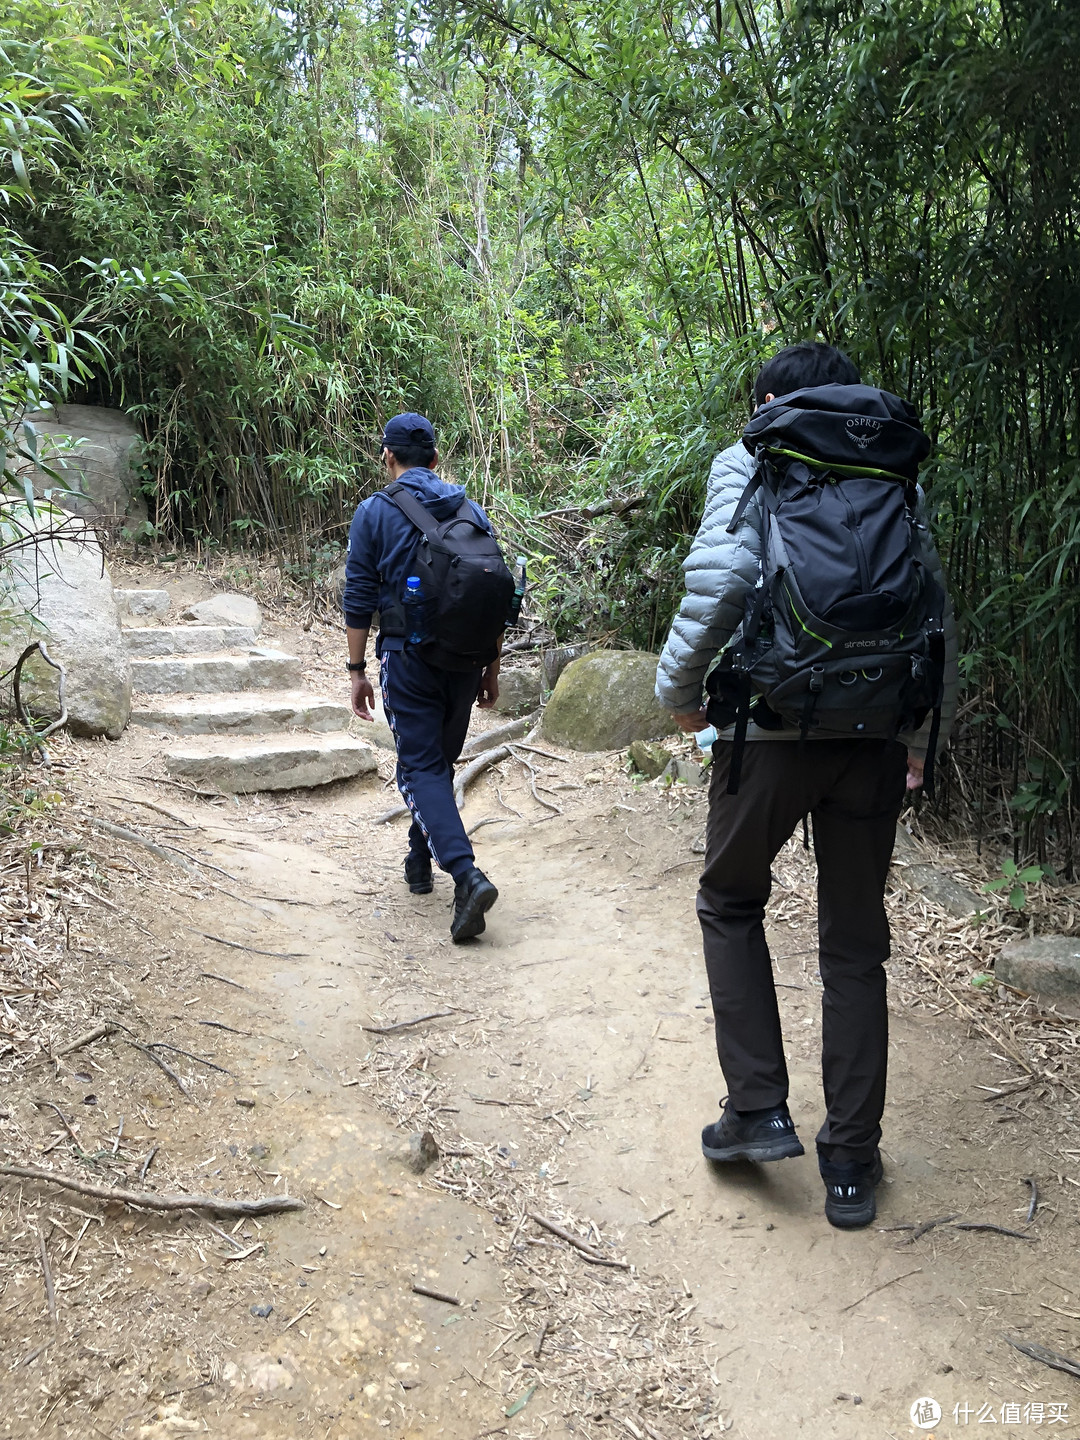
488,692
915,767
691,724
363,696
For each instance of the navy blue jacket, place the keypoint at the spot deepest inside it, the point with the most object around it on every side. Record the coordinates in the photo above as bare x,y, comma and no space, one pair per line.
382,543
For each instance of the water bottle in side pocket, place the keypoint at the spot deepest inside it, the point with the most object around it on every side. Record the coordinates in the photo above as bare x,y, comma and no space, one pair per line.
519,591
415,618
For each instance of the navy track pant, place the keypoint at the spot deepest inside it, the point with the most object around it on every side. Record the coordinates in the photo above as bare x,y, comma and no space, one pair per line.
428,711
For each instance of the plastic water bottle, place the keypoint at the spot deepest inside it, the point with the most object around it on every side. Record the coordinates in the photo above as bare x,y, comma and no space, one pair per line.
519,590
705,739
413,600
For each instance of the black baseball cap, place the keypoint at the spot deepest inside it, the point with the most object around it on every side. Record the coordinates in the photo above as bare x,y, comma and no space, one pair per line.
408,429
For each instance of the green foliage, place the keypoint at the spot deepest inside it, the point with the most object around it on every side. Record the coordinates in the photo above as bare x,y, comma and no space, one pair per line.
1016,880
23,794
572,234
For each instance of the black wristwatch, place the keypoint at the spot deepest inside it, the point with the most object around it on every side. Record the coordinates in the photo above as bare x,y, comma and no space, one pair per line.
360,665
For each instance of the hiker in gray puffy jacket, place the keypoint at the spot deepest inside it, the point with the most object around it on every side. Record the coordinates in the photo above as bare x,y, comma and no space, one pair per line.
853,789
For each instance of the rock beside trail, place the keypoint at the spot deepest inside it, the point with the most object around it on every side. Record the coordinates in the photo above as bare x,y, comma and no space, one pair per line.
605,700
226,610
649,759
942,889
418,1153
932,880
519,691
1047,965
97,453
686,772
335,583
60,592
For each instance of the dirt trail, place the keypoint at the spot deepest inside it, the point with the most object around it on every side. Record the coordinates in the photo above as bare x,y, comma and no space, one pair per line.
570,1078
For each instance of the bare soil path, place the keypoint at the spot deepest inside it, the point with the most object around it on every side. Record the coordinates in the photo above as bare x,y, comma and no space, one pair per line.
564,1072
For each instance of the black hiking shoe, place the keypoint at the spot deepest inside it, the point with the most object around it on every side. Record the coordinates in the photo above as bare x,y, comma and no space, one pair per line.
474,895
850,1202
418,873
753,1135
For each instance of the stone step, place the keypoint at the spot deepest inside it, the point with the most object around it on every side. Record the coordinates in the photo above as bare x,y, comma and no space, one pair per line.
281,763
243,714
198,674
188,639
143,604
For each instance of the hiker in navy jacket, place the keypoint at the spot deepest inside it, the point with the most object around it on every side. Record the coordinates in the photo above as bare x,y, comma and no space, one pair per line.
427,707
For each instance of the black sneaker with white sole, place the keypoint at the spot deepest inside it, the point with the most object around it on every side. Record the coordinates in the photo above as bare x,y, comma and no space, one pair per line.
474,895
751,1135
850,1202
418,873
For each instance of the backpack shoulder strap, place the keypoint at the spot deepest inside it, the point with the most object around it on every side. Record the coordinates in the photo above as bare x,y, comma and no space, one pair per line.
411,508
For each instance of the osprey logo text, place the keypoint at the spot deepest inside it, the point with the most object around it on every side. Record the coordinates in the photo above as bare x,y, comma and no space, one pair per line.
861,430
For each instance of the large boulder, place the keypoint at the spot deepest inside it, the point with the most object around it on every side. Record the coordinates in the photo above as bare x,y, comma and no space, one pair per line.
57,589
1045,965
605,700
98,452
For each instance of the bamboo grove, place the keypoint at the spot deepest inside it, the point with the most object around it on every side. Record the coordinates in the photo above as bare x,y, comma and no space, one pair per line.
570,232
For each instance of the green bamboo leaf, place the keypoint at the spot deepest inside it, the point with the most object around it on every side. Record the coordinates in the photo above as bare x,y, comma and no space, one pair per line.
519,1405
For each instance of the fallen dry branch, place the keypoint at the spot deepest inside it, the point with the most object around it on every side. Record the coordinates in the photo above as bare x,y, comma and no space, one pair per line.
1034,1204
46,1272
580,1245
251,949
883,1286
158,809
994,1229
120,832
99,1032
431,1294
142,1200
405,1024
163,1066
1035,1351
189,1055
918,1231
48,1104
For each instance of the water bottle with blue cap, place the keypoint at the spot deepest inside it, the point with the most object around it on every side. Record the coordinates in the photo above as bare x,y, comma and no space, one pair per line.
413,600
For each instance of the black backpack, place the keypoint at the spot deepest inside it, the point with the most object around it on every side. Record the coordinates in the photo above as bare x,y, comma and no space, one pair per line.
465,581
844,631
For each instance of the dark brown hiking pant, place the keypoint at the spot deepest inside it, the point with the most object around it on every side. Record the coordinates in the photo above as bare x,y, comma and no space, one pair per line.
853,790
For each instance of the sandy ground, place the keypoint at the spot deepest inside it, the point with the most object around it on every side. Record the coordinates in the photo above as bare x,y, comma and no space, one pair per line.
564,1072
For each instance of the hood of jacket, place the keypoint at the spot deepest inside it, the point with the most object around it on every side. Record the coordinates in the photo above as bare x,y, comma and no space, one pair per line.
442,499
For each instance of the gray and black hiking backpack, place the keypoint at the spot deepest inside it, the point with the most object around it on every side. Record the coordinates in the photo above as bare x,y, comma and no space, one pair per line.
465,581
844,632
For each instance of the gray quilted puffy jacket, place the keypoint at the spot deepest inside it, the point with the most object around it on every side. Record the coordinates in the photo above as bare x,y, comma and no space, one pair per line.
719,570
